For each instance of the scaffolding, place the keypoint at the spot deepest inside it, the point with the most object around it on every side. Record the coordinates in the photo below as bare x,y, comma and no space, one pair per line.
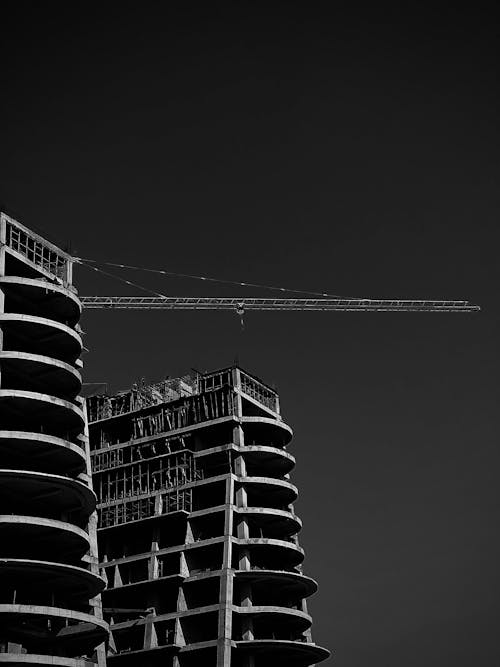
135,509
140,396
144,480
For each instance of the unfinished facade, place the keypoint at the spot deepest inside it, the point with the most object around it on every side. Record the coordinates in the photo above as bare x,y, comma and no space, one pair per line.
197,532
50,612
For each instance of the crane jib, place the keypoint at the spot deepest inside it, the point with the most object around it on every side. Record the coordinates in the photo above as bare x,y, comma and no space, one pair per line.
246,304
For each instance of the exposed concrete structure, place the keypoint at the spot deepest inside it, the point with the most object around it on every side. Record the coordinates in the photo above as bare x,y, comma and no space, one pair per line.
50,609
197,532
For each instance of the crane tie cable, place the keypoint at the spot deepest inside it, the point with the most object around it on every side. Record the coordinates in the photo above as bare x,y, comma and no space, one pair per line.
122,280
173,274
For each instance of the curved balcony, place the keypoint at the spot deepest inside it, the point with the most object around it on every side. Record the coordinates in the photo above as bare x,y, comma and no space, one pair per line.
289,652
32,333
28,408
29,577
272,522
262,459
26,537
278,582
32,372
31,296
264,491
54,630
266,431
270,553
45,494
44,453
276,617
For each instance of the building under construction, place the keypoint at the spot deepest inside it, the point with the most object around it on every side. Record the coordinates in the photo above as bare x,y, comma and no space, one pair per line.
50,611
197,532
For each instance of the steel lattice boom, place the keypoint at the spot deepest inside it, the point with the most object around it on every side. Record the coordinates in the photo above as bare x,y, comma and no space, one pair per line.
245,304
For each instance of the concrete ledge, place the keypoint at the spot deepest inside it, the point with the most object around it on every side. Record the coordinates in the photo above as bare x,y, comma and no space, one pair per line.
55,612
72,633
198,611
148,656
40,534
280,521
57,377
199,646
301,653
57,492
41,451
57,339
280,488
305,586
264,427
291,618
16,660
281,551
40,296
22,407
50,577
268,456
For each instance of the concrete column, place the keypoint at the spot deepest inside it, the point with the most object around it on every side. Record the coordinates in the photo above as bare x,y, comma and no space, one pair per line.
244,560
226,583
68,273
158,505
3,241
307,633
3,235
189,534
95,603
240,467
241,497
237,390
153,561
150,636
242,530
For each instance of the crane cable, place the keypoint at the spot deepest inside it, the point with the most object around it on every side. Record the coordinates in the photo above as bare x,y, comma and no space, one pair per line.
122,280
239,309
85,262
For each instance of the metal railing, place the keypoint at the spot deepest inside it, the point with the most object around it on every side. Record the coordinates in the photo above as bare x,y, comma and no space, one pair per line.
259,392
40,253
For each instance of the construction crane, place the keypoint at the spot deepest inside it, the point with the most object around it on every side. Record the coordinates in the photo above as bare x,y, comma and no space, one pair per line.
55,264
326,302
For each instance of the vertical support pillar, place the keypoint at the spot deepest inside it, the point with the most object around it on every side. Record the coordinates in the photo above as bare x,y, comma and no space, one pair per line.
3,241
247,633
226,583
240,467
226,580
95,603
241,497
237,392
153,569
68,273
150,636
307,633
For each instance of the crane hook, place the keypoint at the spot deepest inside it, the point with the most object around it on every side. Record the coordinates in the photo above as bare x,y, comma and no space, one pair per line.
241,311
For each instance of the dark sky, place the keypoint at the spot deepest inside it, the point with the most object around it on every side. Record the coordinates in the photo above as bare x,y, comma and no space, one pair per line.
325,147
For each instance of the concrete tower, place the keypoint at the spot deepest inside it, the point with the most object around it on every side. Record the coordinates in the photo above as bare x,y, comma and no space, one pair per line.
197,532
50,611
